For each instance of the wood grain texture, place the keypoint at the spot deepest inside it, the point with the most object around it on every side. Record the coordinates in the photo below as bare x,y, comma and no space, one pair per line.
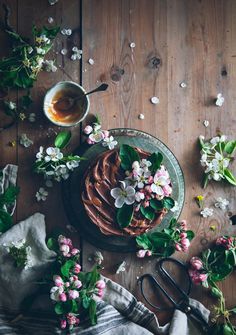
176,41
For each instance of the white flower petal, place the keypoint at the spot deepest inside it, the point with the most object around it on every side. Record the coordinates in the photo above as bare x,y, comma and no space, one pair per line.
119,201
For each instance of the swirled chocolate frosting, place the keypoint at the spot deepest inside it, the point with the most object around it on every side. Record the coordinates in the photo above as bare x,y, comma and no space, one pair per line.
98,181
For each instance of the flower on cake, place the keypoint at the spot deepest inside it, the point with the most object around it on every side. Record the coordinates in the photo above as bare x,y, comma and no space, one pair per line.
109,142
123,195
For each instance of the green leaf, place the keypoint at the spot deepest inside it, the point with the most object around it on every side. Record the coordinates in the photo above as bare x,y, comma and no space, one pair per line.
168,202
62,139
159,238
156,160
128,155
229,177
205,180
148,212
59,308
125,215
230,146
144,242
9,196
66,268
233,310
156,204
223,270
52,244
216,292
74,308
190,234
86,301
92,312
227,330
5,221
94,277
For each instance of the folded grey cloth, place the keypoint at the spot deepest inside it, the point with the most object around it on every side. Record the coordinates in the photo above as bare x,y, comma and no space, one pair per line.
118,313
8,178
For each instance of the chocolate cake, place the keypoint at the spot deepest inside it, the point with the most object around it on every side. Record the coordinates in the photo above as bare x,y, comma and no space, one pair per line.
100,178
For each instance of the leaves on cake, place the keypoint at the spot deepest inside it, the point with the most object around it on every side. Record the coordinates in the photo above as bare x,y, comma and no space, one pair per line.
156,160
128,155
166,202
125,215
148,212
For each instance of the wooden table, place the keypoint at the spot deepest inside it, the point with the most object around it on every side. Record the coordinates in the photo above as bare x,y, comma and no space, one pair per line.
175,41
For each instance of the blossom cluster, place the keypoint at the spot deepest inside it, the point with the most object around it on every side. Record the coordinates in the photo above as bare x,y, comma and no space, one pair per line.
216,155
141,185
229,243
21,253
54,165
71,285
95,135
176,237
197,272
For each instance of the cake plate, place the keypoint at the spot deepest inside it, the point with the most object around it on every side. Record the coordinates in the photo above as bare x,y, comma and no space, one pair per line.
71,188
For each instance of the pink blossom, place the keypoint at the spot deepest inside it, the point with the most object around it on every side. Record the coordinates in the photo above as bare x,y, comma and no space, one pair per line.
141,253
149,253
58,281
183,224
100,293
77,284
146,204
67,284
89,141
178,247
100,284
106,133
74,251
203,277
148,189
65,249
73,278
63,324
150,180
167,189
62,297
185,243
196,263
73,294
77,268
88,129
194,274
63,240
183,235
72,319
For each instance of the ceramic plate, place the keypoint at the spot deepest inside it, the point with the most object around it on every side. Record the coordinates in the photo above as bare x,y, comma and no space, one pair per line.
71,188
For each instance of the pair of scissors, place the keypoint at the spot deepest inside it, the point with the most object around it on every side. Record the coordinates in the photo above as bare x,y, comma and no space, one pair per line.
182,303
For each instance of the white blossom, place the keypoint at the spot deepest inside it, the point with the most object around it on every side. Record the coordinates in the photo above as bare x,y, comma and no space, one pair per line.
25,141
53,154
49,66
221,203
41,194
109,142
71,165
123,195
40,154
206,212
40,51
220,100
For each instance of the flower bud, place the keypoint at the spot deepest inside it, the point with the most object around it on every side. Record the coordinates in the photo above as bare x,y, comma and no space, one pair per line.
100,284
178,247
196,263
62,297
203,277
185,243
89,141
74,251
77,268
149,253
183,235
100,293
141,253
63,324
88,129
73,294
58,281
